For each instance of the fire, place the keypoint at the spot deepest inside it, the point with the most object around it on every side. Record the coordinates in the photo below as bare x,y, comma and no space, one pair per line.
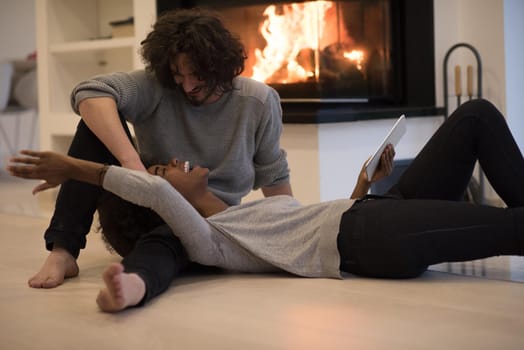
295,33
356,56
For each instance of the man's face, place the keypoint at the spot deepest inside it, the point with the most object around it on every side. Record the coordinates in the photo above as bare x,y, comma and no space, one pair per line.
186,78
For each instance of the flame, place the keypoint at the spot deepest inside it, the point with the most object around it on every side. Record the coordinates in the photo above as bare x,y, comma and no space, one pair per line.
356,56
296,27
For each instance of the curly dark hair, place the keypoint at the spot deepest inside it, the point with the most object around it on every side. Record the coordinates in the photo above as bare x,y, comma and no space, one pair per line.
217,55
122,222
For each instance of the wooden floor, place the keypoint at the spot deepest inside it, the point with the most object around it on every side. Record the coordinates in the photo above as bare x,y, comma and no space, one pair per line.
440,310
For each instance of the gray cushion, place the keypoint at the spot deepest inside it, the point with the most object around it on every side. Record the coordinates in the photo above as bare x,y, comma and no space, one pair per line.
25,90
6,76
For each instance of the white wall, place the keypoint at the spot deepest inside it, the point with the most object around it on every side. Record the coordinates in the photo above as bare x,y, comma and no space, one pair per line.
496,29
514,59
481,24
345,147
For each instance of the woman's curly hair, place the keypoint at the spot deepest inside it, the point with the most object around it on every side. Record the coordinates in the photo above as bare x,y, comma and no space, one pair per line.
216,54
122,222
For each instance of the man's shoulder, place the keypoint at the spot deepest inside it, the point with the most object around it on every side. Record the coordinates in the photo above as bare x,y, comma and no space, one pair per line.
142,76
247,87
136,77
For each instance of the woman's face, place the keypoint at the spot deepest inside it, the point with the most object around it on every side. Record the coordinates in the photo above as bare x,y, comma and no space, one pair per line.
191,183
185,76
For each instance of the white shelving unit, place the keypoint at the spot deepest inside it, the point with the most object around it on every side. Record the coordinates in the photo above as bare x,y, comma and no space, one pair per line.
74,43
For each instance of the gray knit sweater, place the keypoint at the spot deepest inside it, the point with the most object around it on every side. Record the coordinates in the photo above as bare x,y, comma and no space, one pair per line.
237,137
270,234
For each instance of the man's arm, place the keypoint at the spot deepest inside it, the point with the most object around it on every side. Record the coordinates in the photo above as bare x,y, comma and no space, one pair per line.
101,116
283,188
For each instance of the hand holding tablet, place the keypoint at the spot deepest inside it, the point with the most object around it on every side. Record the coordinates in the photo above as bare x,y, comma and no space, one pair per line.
393,137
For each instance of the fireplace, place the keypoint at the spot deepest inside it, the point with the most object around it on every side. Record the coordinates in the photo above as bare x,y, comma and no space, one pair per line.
336,60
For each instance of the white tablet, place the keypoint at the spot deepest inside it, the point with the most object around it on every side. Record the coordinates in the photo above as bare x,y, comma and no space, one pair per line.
393,137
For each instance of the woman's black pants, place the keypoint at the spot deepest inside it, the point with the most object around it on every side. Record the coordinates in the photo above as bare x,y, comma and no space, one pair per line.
421,220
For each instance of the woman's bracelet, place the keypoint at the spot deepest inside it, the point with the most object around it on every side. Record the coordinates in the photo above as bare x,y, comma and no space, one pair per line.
101,173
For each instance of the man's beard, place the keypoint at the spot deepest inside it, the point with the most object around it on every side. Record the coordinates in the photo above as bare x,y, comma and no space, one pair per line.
194,100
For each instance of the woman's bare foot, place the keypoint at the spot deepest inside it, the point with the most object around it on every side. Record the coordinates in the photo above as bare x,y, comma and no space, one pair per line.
122,289
58,266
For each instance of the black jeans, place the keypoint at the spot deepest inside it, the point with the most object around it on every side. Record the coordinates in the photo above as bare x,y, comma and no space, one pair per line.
77,201
158,255
423,223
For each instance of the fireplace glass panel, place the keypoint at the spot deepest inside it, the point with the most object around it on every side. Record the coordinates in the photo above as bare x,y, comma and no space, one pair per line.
317,50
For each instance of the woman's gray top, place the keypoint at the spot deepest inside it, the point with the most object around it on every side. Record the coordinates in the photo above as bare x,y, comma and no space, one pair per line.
270,234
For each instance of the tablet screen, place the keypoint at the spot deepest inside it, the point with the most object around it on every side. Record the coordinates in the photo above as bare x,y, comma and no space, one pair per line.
393,137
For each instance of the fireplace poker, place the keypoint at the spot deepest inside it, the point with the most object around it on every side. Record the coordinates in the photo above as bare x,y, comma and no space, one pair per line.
458,85
470,81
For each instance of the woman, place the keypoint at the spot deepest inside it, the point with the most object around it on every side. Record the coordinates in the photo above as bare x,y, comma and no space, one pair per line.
419,222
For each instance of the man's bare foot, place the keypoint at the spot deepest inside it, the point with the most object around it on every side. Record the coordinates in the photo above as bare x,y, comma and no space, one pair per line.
58,266
122,289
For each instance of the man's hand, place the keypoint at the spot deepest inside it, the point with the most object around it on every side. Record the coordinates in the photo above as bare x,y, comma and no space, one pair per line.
192,184
51,167
133,164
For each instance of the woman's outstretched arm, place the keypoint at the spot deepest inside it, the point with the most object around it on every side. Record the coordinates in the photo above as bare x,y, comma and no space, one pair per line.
140,188
55,168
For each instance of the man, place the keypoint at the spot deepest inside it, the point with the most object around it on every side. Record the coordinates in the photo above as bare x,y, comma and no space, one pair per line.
189,102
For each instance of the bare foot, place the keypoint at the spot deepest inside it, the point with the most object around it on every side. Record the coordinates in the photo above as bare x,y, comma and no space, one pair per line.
122,289
58,266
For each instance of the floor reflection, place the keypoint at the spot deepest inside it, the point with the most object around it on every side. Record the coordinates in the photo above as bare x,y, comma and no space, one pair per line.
507,268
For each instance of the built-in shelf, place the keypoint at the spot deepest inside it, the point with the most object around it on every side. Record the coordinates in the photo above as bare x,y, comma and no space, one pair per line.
75,43
92,45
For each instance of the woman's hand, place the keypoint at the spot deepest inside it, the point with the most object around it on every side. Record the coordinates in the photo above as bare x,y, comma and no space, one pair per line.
51,167
385,166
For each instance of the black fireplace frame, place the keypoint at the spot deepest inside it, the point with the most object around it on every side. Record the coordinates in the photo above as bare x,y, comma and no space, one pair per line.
414,80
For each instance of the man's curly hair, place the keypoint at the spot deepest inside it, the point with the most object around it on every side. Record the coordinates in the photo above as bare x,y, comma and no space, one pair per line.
217,55
122,222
